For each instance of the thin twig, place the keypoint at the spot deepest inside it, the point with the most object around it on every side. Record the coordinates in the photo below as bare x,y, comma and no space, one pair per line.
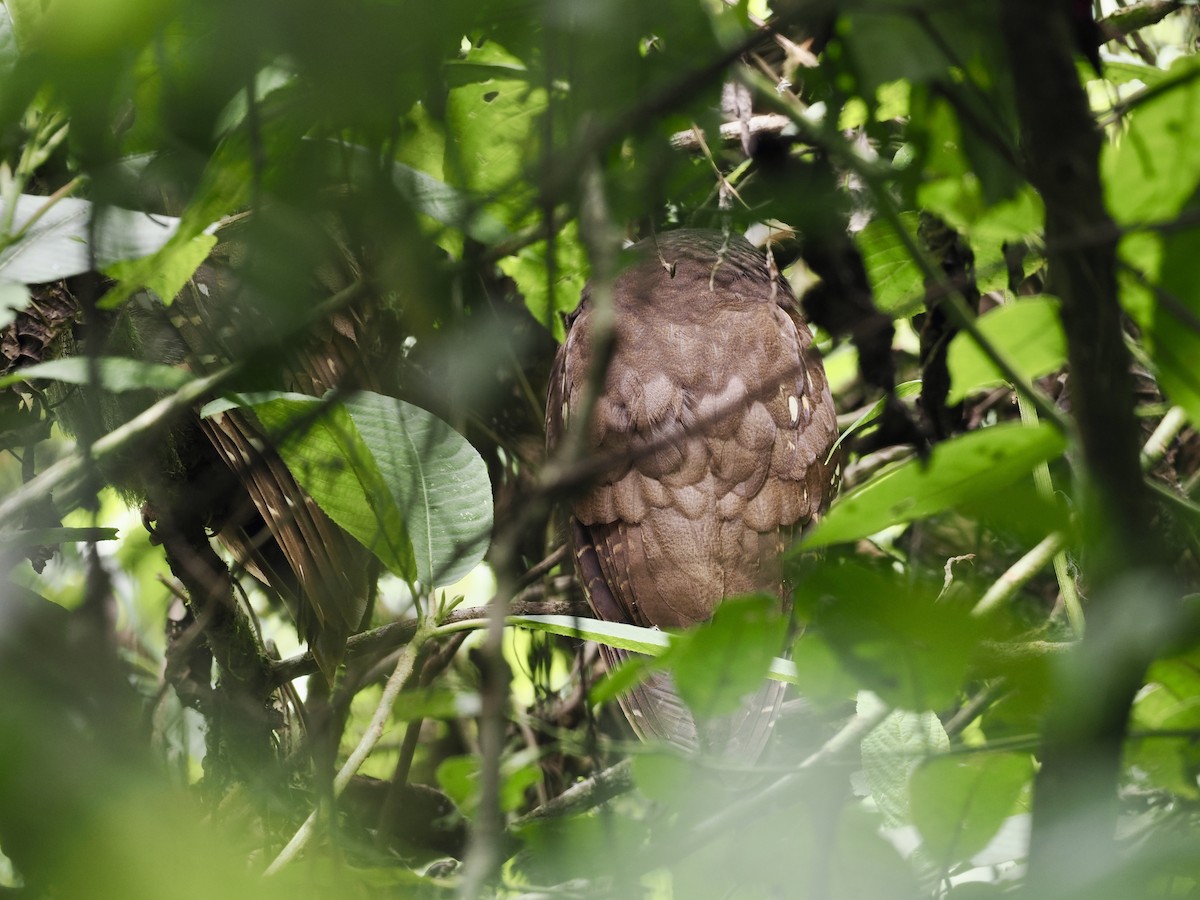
397,634
730,132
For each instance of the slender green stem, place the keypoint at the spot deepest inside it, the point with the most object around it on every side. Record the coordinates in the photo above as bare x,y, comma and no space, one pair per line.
1062,567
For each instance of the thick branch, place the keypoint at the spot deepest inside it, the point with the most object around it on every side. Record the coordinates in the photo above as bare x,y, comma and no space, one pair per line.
1131,18
1074,807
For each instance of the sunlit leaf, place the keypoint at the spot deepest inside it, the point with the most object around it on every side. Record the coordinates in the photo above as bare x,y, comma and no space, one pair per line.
634,638
172,267
897,282
960,470
1029,335
1153,166
492,131
549,292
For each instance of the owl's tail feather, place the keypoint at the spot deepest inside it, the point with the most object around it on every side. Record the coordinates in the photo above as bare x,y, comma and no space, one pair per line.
656,712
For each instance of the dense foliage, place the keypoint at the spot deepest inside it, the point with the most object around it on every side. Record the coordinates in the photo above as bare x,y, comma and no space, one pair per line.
287,608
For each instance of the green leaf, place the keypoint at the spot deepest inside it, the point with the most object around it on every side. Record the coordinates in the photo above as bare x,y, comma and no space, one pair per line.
892,752
1170,701
634,638
663,777
718,663
56,246
448,205
116,374
897,281
820,675
907,389
492,134
892,634
631,671
1174,327
1153,165
960,470
438,481
224,187
887,42
1124,72
395,476
23,18
530,270
171,268
1027,332
428,194
436,703
958,802
459,778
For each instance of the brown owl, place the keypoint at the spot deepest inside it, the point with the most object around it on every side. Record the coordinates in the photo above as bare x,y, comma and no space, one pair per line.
715,413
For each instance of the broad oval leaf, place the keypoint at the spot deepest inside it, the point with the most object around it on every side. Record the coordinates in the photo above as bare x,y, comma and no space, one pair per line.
958,471
438,481
1028,333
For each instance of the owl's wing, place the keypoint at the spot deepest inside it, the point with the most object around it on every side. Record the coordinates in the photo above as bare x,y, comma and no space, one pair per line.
321,572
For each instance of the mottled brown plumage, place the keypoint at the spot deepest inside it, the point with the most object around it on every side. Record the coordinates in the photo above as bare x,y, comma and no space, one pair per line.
716,409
